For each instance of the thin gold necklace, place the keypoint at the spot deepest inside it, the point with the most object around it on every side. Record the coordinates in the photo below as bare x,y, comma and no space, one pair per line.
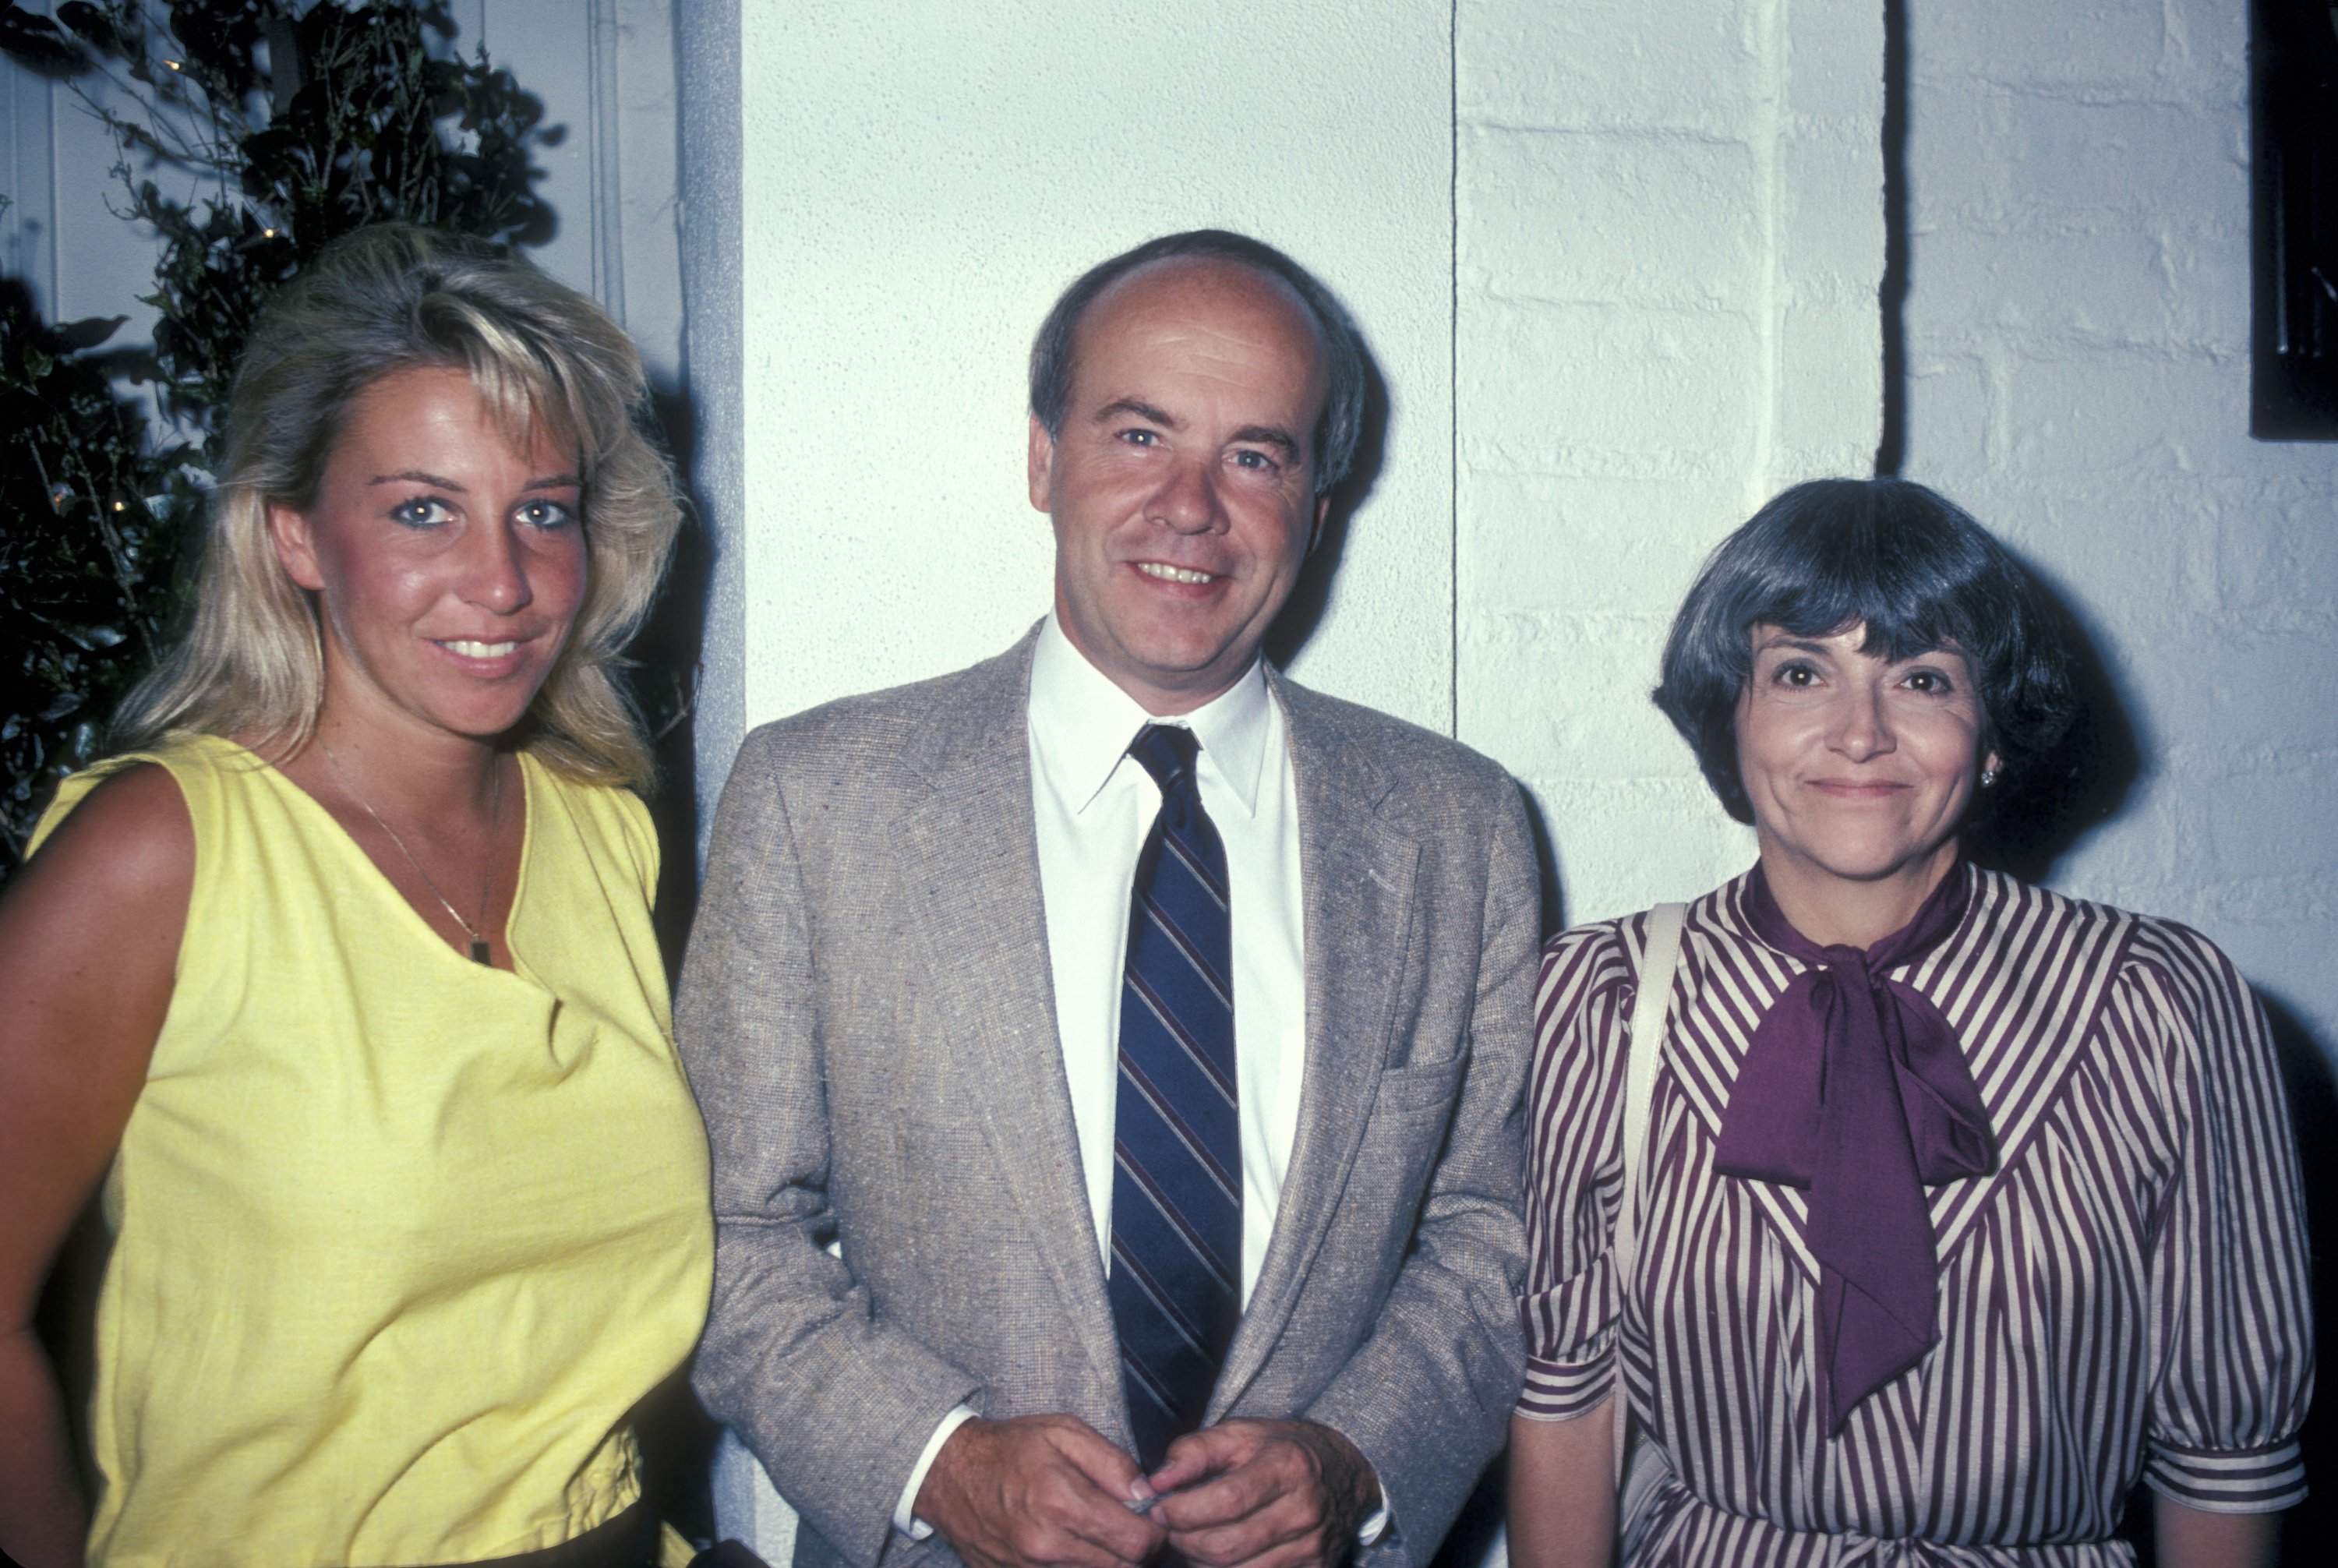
478,934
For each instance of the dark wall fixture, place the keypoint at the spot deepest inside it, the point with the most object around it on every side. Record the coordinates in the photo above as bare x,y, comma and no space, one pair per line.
2293,103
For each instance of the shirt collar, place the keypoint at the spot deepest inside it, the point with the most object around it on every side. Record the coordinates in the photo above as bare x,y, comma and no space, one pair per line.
1082,724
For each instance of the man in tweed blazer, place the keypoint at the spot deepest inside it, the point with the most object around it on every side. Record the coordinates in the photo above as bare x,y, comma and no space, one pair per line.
898,1005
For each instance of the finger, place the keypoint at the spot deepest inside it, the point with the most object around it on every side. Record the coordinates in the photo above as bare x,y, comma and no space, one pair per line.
1240,1494
1198,1454
1278,1532
1086,1512
1106,1467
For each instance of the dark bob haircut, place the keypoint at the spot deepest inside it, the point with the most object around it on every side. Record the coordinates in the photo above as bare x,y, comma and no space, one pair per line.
1343,419
1906,562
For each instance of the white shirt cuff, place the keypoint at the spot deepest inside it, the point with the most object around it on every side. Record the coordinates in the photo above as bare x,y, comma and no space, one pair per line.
1370,1532
905,1512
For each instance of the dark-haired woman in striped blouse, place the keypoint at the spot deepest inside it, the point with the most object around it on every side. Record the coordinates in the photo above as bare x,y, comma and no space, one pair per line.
1961,1207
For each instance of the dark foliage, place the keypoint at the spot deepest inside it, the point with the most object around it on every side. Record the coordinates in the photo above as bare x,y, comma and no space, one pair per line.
300,122
88,556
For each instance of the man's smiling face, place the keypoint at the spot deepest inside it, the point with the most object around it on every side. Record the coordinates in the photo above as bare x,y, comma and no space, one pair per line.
1181,482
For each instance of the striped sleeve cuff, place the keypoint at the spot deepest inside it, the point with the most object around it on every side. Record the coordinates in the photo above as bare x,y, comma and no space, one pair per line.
2230,1480
1562,1390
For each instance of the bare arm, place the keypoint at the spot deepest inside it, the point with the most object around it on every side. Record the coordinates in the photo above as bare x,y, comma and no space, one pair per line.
89,938
1562,1491
2194,1538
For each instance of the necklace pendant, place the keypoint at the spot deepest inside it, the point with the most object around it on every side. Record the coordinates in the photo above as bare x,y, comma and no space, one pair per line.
479,951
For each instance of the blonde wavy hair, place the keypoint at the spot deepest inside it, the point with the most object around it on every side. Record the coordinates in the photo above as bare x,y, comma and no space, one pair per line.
388,298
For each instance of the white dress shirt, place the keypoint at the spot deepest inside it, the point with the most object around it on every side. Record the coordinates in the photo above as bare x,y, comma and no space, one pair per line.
1093,804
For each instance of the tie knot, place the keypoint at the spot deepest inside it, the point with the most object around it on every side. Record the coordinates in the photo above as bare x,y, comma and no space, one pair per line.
1167,752
1850,960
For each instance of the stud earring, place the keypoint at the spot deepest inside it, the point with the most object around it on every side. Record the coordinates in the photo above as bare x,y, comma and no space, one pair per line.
1987,778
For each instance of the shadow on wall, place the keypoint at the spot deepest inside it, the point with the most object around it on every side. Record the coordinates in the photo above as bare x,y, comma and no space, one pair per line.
1547,879
667,655
2079,785
677,1437
1313,595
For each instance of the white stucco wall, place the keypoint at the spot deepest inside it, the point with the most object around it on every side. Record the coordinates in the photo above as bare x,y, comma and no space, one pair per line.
915,195
2078,331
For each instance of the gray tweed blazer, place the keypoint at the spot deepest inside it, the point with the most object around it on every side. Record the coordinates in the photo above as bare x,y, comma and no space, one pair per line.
867,1018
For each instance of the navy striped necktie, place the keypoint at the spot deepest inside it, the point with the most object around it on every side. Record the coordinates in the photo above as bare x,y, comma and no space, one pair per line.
1177,1184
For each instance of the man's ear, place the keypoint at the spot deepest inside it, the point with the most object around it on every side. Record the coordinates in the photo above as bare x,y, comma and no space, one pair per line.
295,552
1041,463
1315,534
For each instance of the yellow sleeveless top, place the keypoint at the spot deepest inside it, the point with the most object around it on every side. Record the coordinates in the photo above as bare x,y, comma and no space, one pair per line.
397,1239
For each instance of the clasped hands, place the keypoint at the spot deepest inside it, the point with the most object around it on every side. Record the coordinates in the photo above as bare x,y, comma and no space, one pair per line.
1050,1491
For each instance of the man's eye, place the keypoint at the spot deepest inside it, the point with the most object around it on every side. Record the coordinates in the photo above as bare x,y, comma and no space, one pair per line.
1258,461
1141,437
422,512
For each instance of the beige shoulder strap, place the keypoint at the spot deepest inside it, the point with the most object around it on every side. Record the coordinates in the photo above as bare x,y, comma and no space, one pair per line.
1646,1050
1643,1053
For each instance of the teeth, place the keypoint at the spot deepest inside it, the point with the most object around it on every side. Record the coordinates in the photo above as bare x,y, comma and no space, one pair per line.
480,650
1172,574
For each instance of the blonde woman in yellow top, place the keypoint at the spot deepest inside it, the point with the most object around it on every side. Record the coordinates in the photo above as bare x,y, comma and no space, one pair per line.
339,982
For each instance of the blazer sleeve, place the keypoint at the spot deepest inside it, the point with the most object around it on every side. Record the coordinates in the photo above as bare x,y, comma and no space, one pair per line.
1427,1397
836,1406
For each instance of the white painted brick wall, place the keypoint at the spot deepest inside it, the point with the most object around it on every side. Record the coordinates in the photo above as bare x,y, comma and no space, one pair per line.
1669,240
2079,329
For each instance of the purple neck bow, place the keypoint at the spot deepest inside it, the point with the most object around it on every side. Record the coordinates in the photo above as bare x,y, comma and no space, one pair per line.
1855,1089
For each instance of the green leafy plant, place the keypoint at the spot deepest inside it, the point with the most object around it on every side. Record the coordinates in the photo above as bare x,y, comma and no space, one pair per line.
297,123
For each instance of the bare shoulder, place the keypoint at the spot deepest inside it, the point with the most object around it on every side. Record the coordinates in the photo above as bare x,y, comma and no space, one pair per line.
114,878
131,834
89,943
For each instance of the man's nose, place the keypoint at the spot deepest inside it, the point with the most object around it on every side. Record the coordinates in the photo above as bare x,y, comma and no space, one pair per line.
1187,500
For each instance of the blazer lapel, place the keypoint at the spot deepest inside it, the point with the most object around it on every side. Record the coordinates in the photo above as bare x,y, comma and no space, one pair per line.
1356,874
970,859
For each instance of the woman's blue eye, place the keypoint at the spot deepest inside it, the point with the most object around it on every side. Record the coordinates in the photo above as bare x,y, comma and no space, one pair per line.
544,514
422,512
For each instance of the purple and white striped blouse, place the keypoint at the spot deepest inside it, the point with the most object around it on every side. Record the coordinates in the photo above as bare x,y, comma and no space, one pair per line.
2124,1297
